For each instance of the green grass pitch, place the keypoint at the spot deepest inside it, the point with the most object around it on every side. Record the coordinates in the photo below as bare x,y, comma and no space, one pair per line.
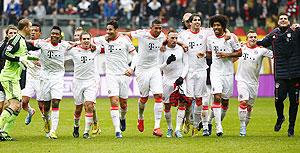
260,135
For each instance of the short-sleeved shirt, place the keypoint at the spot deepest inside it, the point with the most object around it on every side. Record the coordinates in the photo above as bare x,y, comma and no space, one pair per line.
222,66
148,48
250,63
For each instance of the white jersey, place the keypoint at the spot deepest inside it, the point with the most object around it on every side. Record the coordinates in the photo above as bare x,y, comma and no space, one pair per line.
249,64
52,58
177,68
84,63
196,43
222,66
149,48
34,72
116,53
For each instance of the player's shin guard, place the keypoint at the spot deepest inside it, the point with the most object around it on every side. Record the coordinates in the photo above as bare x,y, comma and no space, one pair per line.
95,116
6,114
197,112
205,117
123,112
115,116
217,113
223,111
180,116
242,113
76,120
88,122
158,109
54,119
248,116
168,117
11,121
141,105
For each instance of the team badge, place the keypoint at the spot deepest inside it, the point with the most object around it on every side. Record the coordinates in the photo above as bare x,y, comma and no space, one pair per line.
289,35
256,52
241,96
109,91
277,85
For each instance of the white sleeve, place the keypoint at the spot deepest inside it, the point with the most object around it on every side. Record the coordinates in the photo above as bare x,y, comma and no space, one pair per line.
162,61
137,34
267,53
98,41
38,43
185,65
235,43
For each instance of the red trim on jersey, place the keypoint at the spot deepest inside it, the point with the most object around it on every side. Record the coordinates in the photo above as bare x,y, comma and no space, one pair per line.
114,108
55,109
220,36
194,32
89,114
181,108
251,47
131,50
158,100
115,37
204,107
167,111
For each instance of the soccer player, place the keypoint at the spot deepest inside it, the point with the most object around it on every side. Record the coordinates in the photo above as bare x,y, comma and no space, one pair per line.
148,72
118,47
85,88
247,77
285,46
10,32
52,63
174,66
196,37
32,86
16,58
221,75
78,108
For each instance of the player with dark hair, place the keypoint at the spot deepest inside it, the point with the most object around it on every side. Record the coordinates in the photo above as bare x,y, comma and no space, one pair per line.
222,51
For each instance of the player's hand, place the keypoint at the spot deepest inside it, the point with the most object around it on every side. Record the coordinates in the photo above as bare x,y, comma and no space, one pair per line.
295,26
200,55
171,58
93,47
162,48
37,63
222,55
129,72
185,47
179,81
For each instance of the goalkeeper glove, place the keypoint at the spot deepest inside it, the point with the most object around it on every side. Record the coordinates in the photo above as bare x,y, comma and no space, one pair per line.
179,81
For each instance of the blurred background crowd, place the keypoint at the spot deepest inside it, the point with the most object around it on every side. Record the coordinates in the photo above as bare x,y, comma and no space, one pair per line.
138,13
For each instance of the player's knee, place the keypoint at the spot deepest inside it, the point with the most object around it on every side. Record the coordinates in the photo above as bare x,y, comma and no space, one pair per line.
89,105
199,101
167,107
55,103
249,108
123,103
217,98
143,100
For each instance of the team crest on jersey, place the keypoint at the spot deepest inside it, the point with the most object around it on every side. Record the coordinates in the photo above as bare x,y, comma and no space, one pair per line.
289,35
241,96
213,89
277,85
109,91
256,52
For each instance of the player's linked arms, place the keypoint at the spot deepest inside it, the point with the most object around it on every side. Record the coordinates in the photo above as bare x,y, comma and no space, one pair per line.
201,54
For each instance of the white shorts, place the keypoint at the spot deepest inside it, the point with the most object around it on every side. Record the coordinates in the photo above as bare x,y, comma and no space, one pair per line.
247,92
222,84
208,98
117,85
51,89
32,88
196,84
149,80
168,88
2,96
84,90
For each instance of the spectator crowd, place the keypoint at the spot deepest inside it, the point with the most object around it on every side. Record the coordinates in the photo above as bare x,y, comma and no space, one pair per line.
138,13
